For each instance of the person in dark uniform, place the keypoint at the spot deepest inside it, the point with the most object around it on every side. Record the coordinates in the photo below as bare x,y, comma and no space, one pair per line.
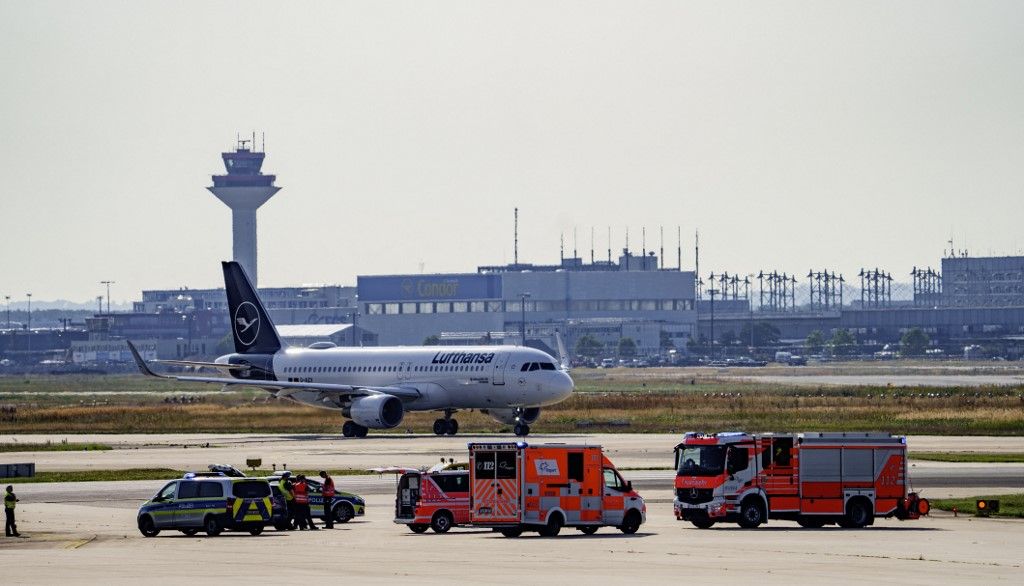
287,489
10,501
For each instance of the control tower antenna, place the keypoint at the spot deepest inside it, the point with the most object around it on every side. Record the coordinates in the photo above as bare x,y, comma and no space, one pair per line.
515,237
244,189
609,246
661,249
679,248
591,245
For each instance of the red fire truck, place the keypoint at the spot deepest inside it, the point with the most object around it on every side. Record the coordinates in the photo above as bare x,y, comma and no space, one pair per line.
515,487
811,478
433,500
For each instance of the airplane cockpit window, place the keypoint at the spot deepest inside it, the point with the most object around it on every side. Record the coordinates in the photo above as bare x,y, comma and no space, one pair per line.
547,366
525,367
534,366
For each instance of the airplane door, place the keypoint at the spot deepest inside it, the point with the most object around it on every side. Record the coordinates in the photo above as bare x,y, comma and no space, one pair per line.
404,370
499,368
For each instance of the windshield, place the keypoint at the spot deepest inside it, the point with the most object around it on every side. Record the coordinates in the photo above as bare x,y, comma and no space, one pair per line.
701,460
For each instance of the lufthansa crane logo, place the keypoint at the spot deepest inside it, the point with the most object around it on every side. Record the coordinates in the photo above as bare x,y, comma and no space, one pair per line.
247,323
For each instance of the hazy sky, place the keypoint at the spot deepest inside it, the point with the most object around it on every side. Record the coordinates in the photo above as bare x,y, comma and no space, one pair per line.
792,134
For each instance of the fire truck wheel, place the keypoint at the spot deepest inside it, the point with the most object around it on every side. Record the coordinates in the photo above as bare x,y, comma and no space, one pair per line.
703,523
553,527
441,522
751,513
418,528
453,427
631,523
811,522
589,529
512,531
858,514
440,426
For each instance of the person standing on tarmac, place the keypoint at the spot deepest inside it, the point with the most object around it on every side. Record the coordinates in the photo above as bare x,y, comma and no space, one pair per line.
302,513
10,501
287,490
328,493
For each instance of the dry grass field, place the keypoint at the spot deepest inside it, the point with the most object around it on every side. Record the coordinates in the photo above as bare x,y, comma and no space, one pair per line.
635,400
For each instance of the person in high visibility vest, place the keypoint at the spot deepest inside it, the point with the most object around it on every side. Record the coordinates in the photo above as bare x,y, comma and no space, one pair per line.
328,494
302,514
286,487
10,501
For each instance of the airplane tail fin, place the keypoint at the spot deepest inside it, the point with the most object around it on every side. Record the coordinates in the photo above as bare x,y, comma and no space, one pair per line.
251,328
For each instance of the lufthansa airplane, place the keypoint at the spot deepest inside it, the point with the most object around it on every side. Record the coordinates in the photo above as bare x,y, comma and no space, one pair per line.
374,387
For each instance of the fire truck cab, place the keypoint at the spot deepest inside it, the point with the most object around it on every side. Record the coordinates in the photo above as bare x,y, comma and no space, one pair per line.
814,479
515,487
436,500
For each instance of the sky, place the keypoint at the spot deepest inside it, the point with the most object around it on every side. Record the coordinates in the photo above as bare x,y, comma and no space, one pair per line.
792,135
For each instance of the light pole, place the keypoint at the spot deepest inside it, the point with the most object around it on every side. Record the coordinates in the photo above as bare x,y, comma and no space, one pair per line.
712,292
7,298
108,284
522,325
29,295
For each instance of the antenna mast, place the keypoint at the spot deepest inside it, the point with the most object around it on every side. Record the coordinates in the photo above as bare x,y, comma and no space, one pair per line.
515,238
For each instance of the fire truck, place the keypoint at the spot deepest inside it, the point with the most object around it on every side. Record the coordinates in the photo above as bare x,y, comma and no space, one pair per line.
814,479
437,500
515,487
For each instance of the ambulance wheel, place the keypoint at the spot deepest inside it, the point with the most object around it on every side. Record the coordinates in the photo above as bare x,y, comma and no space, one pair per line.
362,431
589,529
441,522
858,514
255,530
212,526
453,427
440,427
418,528
521,430
147,528
751,513
809,522
703,523
349,429
343,513
190,531
512,531
631,523
553,527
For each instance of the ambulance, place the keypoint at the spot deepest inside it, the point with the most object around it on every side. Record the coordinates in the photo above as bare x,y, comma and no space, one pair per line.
515,487
437,500
814,479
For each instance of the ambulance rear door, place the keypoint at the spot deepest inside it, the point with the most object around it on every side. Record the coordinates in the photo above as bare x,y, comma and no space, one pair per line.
495,485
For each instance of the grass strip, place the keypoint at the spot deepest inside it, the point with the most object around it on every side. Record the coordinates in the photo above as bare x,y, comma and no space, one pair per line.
1010,505
983,457
54,447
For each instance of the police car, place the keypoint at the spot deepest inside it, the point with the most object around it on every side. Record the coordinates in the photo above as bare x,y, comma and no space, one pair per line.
211,503
345,505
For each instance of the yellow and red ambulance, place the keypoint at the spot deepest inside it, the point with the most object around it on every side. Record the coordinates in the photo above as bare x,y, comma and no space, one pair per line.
516,487
811,478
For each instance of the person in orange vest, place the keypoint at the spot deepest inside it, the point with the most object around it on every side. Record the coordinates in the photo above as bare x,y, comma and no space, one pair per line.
328,494
302,514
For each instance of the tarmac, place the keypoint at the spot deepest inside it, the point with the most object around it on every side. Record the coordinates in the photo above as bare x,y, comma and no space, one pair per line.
85,532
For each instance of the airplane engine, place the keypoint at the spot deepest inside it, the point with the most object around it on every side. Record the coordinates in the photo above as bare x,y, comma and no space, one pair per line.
508,416
377,411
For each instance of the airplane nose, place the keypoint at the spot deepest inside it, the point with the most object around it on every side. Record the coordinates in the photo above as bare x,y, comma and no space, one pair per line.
564,385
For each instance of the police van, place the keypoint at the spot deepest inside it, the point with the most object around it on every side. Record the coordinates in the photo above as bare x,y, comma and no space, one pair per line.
207,503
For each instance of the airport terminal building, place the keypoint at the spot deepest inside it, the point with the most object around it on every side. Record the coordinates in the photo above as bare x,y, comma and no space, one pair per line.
604,300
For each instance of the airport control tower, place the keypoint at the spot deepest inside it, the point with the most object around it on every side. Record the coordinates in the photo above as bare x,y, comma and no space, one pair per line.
244,189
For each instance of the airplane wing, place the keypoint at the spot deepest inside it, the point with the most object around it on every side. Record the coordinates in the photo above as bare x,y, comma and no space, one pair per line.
204,364
281,388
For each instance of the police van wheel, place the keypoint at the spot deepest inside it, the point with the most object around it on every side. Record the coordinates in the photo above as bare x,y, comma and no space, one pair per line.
147,527
440,427
441,522
418,528
212,526
255,530
190,532
512,531
521,430
453,427
348,429
631,523
343,513
589,529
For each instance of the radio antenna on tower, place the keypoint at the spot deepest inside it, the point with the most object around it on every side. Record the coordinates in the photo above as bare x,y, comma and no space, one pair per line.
515,237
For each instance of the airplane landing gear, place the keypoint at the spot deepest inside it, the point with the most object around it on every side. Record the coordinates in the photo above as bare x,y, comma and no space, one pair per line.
521,430
446,425
353,429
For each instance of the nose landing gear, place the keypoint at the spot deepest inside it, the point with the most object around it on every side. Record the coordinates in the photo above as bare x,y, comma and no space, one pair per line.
446,425
521,429
353,429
